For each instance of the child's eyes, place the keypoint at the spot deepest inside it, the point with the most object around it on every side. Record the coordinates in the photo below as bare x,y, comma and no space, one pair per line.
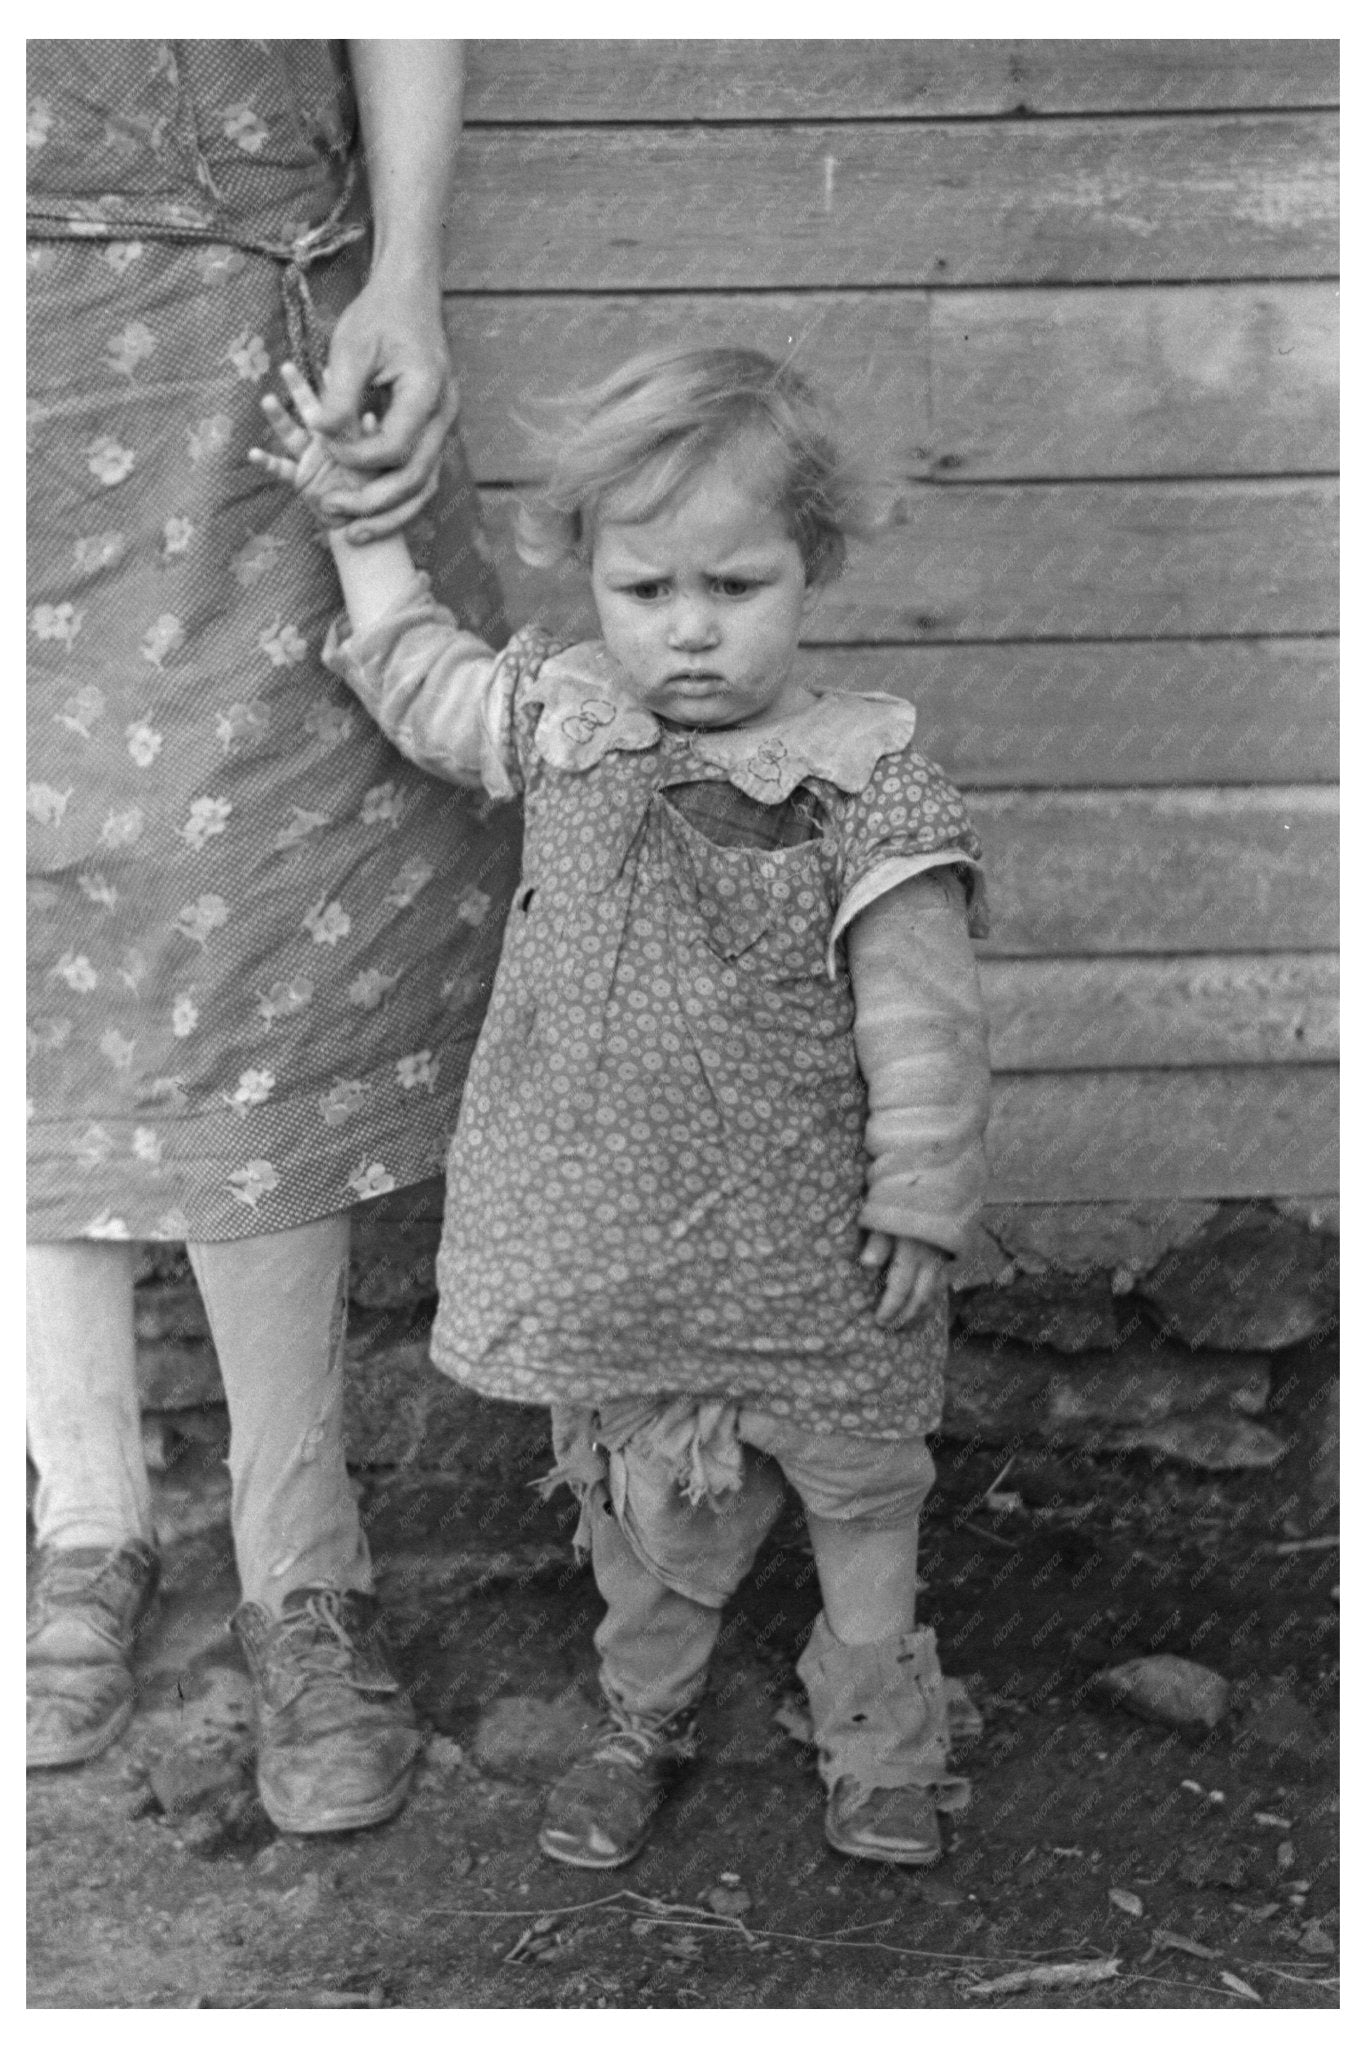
725,586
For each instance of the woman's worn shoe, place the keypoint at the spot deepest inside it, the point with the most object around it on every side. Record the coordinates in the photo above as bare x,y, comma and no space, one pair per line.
600,1813
336,1740
889,1824
85,1609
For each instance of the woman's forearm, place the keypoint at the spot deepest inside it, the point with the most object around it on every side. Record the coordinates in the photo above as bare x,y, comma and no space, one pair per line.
409,94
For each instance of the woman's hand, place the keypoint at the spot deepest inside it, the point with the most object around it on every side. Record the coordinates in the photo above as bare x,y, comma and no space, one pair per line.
392,338
408,92
373,579
913,1275
308,464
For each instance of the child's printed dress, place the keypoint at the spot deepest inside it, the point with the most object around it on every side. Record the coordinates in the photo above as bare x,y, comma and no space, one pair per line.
659,1164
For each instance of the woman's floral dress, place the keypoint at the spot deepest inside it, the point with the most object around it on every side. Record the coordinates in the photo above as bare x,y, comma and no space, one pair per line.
260,942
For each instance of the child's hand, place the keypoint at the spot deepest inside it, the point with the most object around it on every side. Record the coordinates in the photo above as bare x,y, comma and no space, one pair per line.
309,463
912,1277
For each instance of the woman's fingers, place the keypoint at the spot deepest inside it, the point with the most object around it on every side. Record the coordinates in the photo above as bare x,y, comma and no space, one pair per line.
392,490
376,526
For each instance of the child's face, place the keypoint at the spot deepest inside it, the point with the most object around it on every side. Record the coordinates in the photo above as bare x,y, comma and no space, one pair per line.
702,604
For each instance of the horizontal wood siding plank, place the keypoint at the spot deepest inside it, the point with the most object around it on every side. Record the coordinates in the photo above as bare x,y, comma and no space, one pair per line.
673,79
1199,380
612,209
1203,380
1036,561
1136,1136
1111,713
1159,871
869,353
1052,1016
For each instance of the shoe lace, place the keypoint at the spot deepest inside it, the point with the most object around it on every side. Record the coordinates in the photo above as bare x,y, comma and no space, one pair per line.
636,1744
313,1639
62,1583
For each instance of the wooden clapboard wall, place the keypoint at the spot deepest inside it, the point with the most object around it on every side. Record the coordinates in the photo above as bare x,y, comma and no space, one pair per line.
1076,298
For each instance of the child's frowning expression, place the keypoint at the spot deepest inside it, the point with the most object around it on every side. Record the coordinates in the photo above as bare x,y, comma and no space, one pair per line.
703,603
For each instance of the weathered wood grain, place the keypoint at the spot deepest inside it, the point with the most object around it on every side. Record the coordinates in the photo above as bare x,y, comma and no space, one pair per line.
881,203
1053,1016
1159,871
1198,380
672,79
1038,561
1111,714
1134,1136
1202,380
869,353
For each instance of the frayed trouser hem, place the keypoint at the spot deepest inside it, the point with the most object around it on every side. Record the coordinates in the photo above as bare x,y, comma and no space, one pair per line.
879,1713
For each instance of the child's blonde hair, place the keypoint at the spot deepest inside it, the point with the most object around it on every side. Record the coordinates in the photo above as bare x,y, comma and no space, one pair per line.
653,424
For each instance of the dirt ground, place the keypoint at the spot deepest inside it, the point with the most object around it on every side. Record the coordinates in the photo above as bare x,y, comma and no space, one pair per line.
1187,1869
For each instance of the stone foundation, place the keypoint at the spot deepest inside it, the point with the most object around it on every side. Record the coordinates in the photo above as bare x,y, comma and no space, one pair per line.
1204,1332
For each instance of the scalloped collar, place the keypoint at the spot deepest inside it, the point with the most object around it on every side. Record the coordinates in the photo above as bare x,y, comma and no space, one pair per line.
589,713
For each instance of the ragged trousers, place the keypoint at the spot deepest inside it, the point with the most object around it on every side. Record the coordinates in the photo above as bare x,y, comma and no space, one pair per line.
677,1498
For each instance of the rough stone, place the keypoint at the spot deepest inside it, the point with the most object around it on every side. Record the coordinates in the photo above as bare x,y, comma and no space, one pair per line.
1274,1719
163,1263
1251,1280
522,1736
393,1247
171,1310
401,1411
1065,1311
1054,1339
1318,1212
1123,1238
1217,1864
1211,1443
173,1375
195,1778
997,1391
1170,1689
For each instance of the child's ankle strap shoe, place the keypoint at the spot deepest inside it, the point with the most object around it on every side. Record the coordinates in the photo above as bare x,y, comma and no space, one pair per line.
881,1725
600,1813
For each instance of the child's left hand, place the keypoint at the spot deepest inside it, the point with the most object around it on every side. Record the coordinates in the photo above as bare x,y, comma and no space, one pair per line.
913,1270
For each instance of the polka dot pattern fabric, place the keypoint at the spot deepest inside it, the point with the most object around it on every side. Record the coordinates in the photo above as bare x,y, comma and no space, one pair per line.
260,942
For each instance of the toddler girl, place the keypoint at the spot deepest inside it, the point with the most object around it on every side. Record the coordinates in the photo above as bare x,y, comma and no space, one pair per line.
724,1125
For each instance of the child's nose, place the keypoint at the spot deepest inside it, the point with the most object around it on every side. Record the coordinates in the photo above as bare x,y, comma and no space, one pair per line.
693,623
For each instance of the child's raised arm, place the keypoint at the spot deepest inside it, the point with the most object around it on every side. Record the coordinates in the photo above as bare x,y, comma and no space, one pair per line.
440,693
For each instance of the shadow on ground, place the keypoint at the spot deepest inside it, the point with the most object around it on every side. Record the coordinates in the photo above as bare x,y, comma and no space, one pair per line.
1190,1868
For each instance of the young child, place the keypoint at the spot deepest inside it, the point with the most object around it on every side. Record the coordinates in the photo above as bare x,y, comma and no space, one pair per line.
724,1126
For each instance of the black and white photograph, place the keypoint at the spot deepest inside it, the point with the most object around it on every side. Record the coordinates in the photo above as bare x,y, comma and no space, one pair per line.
682,1110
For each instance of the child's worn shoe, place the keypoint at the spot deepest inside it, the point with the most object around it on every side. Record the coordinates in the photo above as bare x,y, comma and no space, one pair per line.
85,1609
600,1813
880,1721
889,1824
